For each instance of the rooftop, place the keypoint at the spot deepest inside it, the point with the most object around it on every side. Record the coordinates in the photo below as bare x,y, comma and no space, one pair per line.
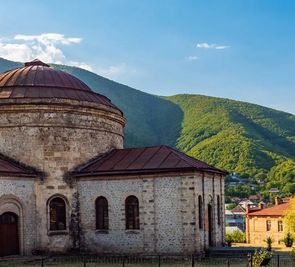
142,161
37,80
277,210
11,167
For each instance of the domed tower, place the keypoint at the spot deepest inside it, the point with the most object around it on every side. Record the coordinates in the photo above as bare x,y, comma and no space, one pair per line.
52,121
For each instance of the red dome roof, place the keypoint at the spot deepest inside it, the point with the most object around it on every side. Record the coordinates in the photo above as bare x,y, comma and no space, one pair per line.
37,80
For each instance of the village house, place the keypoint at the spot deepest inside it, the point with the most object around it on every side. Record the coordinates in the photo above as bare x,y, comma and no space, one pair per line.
264,222
235,218
67,183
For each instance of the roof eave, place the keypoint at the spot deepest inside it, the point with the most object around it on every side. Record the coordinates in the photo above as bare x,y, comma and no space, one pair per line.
20,174
81,174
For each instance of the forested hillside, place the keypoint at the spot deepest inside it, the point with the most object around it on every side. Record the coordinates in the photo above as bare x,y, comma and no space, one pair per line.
254,141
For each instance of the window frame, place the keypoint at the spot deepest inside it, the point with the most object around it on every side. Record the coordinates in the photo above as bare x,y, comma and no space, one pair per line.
132,218
200,211
268,225
102,219
280,226
218,210
57,230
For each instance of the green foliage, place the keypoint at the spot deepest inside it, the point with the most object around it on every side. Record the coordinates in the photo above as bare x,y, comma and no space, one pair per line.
254,141
282,176
240,137
228,239
236,236
231,206
288,240
240,190
289,218
261,258
269,242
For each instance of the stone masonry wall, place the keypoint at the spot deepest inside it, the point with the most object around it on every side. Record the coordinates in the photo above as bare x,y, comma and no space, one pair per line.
168,214
18,196
54,138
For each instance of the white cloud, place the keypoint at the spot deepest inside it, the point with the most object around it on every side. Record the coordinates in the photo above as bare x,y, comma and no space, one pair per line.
192,58
46,38
212,46
46,47
15,52
49,47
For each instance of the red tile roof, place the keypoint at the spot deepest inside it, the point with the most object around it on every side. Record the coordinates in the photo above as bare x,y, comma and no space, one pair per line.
278,210
37,80
10,167
142,160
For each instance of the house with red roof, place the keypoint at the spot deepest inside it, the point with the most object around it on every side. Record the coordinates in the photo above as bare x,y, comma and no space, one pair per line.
262,223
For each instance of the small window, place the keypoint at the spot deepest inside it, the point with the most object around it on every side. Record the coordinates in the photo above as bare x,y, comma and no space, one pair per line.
200,207
132,212
57,214
102,213
218,210
268,225
280,226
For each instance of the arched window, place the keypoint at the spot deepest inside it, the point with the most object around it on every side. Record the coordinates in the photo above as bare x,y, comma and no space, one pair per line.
57,214
132,212
218,210
102,213
200,208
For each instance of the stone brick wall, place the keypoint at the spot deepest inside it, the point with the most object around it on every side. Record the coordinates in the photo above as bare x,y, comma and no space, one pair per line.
257,233
18,196
168,213
55,136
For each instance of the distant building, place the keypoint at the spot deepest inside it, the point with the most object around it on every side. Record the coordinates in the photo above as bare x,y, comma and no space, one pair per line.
236,217
254,198
266,222
245,203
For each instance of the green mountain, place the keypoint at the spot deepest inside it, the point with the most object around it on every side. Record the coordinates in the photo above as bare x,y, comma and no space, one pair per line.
254,141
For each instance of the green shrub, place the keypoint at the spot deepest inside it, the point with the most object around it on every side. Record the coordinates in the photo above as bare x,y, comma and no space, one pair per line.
261,258
236,236
288,240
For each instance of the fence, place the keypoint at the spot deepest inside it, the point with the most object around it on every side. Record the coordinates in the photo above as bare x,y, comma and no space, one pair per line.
140,261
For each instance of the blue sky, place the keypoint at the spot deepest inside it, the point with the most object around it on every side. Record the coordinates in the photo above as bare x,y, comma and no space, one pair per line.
237,49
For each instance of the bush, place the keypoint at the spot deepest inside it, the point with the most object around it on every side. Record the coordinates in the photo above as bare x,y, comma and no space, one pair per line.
228,239
236,236
261,258
288,240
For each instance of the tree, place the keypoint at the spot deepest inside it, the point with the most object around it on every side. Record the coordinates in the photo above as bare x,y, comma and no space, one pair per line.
289,217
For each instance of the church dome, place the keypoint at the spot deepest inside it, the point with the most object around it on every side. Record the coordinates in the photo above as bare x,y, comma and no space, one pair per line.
37,80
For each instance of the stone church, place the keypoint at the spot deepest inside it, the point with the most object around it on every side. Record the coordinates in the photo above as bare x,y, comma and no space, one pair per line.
67,183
